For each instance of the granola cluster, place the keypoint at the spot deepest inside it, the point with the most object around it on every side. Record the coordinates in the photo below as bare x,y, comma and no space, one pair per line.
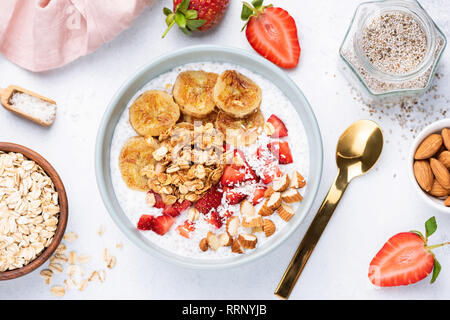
188,162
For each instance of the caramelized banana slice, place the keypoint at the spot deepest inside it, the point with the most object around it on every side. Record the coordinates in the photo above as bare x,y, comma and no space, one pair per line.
240,132
193,92
153,113
236,95
135,155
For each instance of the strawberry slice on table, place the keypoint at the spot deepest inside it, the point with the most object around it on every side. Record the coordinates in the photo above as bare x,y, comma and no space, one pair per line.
162,224
282,151
258,195
185,229
272,32
195,15
210,200
406,258
214,218
145,222
232,196
280,128
159,202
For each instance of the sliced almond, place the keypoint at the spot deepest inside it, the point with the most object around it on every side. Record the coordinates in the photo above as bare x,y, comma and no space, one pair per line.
444,158
297,180
257,229
440,172
233,226
268,192
269,227
271,204
248,213
150,199
213,241
446,137
428,147
225,240
292,195
203,245
236,247
285,212
193,214
248,241
255,222
423,174
437,190
280,184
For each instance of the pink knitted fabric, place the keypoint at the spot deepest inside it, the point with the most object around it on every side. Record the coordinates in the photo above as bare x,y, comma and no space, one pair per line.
40,35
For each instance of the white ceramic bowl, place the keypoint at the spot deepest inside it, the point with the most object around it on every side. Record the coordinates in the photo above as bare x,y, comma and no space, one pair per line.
435,127
164,64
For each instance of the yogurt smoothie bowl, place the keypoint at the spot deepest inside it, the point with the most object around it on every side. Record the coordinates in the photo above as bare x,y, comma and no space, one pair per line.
209,160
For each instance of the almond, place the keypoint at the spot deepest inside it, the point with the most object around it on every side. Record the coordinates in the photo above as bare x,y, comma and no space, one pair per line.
447,202
280,184
270,205
213,241
444,158
268,227
248,214
446,137
233,226
285,212
438,191
225,240
440,172
203,245
268,192
292,195
297,180
248,241
423,174
428,147
236,247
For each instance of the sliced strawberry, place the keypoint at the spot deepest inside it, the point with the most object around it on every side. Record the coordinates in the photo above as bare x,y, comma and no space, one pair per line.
282,151
182,206
233,196
210,200
228,214
270,172
403,260
159,202
162,224
280,129
272,32
214,218
258,195
185,229
171,211
232,175
269,163
145,222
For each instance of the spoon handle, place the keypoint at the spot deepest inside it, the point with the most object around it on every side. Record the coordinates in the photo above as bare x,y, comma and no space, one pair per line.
311,237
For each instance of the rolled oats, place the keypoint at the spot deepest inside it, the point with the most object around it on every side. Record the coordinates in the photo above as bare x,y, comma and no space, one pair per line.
58,291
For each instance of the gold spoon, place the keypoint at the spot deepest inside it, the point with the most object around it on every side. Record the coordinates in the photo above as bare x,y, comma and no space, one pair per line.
358,150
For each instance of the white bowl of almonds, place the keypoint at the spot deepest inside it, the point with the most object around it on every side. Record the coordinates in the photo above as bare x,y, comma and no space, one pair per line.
430,154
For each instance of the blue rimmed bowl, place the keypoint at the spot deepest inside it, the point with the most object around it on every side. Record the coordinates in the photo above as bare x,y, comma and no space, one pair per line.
164,64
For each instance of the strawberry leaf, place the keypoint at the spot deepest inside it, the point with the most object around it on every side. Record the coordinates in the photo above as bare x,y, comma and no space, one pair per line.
247,11
436,270
167,11
180,19
191,14
183,6
193,25
430,226
257,4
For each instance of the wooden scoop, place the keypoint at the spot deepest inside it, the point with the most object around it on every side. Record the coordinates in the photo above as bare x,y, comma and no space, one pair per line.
7,94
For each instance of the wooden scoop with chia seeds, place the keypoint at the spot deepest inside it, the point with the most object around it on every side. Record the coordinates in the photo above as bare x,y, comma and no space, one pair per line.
29,105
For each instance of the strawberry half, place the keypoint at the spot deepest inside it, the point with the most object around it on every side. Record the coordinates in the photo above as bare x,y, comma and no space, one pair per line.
195,15
282,151
272,32
405,259
210,200
280,128
145,222
162,224
232,196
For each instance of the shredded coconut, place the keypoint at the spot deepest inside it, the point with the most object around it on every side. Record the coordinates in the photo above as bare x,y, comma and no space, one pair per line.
34,107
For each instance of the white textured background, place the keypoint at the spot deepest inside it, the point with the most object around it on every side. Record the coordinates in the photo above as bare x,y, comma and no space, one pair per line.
374,208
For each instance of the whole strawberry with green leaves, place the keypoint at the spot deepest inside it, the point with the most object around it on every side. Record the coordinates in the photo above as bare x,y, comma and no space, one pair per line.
195,15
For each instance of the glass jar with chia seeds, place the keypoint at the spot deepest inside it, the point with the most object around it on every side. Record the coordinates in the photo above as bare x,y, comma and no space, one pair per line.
391,50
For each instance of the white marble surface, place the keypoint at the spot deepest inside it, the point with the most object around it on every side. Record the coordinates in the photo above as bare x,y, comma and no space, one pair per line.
375,206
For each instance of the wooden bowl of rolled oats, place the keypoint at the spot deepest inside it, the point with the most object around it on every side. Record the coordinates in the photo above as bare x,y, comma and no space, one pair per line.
33,210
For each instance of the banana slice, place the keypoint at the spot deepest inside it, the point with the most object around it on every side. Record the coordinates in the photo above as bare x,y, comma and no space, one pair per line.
135,155
240,132
193,92
211,117
236,95
153,113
